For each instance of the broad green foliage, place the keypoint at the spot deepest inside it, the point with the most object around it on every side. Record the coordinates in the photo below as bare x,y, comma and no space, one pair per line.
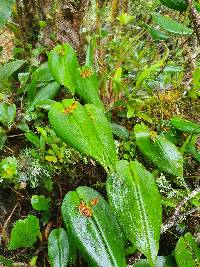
187,252
171,25
180,5
164,154
94,228
133,194
8,69
58,248
5,11
40,203
185,125
24,233
86,129
65,69
45,93
7,113
63,65
41,75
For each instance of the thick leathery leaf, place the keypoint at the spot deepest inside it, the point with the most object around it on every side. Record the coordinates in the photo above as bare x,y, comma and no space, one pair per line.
171,25
86,129
65,68
167,261
89,218
5,11
158,35
180,5
187,252
58,248
47,92
133,194
185,125
87,86
63,65
164,154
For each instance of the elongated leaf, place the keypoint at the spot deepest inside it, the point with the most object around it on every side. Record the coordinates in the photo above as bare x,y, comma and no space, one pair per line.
120,131
5,11
47,92
185,125
58,248
65,69
64,65
95,230
180,5
158,35
164,154
7,69
25,233
187,252
42,74
133,194
7,113
86,129
171,25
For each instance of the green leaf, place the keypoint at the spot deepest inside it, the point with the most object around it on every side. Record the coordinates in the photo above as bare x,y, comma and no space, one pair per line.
133,193
8,69
24,233
120,131
171,25
65,69
180,5
86,129
88,217
6,262
40,203
3,138
187,252
5,11
194,147
47,92
58,248
42,74
185,125
158,35
164,154
7,113
8,167
162,261
64,65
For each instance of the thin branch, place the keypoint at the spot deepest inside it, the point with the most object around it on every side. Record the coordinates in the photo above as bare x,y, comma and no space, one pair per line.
176,215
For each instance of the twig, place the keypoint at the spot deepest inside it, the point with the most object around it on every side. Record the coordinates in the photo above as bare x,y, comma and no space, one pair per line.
3,232
176,215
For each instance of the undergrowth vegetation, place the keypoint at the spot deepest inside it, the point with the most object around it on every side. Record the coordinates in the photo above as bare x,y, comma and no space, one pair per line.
100,146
